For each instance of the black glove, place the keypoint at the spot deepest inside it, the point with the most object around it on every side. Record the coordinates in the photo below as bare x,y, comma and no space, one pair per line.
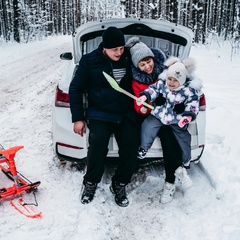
179,108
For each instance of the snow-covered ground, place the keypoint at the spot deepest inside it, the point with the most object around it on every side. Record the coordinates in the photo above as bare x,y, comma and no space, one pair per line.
210,210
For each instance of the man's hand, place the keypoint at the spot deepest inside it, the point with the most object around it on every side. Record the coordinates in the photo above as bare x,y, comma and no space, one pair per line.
79,127
141,100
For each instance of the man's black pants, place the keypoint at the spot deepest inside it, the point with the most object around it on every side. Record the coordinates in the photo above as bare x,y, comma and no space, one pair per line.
127,134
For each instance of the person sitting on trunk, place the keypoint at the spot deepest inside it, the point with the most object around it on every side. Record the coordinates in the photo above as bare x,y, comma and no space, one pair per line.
108,112
147,65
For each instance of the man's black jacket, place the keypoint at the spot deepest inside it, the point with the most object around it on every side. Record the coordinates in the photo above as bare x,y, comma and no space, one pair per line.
104,103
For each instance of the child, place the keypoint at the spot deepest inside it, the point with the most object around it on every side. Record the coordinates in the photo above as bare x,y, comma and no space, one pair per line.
173,86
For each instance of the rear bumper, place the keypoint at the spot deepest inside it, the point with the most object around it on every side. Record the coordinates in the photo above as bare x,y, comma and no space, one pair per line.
72,147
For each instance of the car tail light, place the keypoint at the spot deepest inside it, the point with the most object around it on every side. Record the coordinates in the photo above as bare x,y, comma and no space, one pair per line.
68,146
61,99
202,103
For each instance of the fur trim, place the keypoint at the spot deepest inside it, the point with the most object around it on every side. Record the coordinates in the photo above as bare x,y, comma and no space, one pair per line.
196,83
132,41
190,64
163,75
171,60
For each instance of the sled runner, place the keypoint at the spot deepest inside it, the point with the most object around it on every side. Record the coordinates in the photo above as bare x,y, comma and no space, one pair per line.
20,184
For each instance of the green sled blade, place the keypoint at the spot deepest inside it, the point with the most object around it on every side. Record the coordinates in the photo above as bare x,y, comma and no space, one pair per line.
112,82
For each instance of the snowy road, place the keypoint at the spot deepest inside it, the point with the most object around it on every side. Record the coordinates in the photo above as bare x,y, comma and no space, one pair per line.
28,77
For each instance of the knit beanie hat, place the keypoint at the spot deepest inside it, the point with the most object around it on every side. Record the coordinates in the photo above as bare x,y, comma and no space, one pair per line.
180,70
113,37
138,50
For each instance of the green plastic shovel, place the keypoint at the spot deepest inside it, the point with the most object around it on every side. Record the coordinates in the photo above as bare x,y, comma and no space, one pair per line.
115,85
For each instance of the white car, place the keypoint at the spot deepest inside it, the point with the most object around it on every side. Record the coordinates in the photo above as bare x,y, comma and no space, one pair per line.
174,40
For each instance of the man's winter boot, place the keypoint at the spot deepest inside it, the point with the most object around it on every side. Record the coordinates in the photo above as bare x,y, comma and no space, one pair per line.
120,193
184,180
88,192
168,192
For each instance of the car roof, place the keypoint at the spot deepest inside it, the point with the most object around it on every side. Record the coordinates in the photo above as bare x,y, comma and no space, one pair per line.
172,38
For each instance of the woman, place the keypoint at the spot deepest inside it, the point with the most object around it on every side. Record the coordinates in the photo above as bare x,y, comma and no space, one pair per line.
147,65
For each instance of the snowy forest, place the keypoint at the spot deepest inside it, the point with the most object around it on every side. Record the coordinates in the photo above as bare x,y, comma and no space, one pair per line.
29,20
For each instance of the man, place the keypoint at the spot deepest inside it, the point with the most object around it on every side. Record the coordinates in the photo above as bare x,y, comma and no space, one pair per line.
109,112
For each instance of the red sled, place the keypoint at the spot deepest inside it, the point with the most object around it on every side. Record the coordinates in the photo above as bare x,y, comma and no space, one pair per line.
20,183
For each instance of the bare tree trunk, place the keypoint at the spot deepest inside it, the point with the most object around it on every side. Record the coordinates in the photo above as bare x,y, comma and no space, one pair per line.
4,21
221,16
233,17
16,21
174,6
228,7
78,12
205,21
